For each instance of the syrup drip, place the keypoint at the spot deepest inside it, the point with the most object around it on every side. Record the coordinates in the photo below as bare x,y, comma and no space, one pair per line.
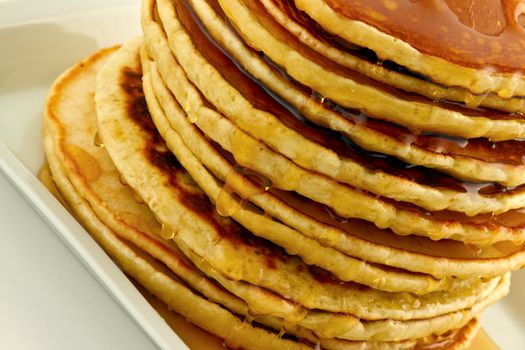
97,140
161,147
138,198
519,14
440,344
248,318
317,97
335,217
229,201
167,232
474,101
282,331
122,180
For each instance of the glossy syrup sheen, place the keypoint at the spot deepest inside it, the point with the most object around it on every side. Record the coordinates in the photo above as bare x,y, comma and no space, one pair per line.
480,33
369,232
284,36
265,100
509,152
362,53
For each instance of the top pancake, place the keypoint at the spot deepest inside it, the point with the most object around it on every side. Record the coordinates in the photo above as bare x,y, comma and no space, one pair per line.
469,44
366,62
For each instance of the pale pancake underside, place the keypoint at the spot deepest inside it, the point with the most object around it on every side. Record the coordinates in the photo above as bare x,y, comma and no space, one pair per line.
390,48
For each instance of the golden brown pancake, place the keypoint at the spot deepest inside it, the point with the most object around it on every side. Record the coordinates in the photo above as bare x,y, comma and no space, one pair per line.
201,201
366,62
452,43
230,243
495,22
346,201
352,90
476,159
281,206
129,80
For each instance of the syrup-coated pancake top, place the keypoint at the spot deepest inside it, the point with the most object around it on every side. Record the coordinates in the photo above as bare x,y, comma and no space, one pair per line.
475,33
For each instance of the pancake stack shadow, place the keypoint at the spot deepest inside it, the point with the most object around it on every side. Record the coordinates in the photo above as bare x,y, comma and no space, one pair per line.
303,174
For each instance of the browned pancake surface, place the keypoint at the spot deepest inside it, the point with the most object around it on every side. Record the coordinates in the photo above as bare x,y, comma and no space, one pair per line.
478,33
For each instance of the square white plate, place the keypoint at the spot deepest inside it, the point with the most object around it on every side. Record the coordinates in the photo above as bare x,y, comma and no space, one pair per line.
32,54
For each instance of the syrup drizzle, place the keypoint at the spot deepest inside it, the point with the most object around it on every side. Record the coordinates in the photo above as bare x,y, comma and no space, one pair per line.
341,143
167,232
228,201
97,140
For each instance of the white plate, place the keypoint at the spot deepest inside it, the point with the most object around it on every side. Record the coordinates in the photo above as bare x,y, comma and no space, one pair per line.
32,54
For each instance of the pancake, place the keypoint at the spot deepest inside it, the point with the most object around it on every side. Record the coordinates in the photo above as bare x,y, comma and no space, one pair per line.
194,308
311,34
235,244
477,159
61,129
153,219
346,201
348,89
134,262
471,59
335,158
310,317
160,282
342,266
182,268
273,206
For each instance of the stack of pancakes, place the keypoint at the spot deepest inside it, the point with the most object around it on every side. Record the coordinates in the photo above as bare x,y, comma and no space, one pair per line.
304,174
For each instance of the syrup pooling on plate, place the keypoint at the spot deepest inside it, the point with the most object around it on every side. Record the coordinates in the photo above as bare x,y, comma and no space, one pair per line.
266,100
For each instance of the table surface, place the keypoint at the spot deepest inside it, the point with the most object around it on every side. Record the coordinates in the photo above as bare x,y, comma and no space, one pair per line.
49,300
